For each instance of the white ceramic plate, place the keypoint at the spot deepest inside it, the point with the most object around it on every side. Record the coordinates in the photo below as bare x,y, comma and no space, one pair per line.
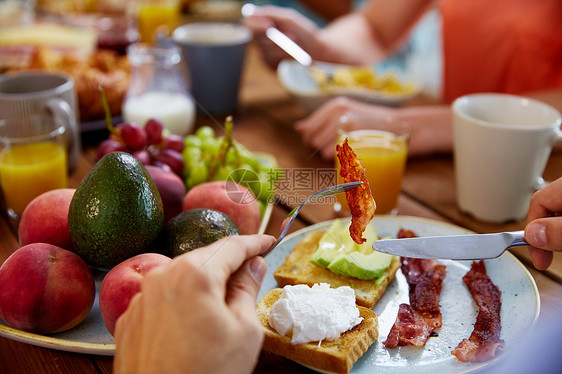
519,313
90,336
297,80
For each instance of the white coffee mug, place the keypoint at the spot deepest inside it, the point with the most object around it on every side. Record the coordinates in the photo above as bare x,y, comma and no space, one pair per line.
501,147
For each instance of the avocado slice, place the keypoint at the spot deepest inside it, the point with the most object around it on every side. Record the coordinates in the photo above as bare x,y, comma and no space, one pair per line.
331,244
371,235
337,252
361,265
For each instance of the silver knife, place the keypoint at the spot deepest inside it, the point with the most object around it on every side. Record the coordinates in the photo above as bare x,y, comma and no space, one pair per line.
282,40
455,247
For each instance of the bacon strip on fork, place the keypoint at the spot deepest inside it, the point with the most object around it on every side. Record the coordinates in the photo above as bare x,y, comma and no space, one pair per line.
360,200
417,321
484,343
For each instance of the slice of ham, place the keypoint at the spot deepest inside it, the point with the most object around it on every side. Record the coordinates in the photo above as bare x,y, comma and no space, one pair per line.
417,321
484,343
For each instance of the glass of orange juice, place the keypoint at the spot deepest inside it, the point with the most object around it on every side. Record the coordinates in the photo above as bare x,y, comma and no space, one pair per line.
381,143
156,17
33,160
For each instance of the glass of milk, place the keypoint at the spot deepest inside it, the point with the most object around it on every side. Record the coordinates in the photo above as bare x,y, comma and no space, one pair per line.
157,89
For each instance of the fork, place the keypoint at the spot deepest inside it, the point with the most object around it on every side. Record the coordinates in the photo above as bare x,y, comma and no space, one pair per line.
329,191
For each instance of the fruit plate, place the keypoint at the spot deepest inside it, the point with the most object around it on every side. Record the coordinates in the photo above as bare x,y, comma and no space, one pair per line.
459,312
90,336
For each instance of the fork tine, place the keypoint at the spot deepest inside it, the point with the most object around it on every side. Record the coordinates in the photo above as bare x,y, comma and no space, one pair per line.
329,191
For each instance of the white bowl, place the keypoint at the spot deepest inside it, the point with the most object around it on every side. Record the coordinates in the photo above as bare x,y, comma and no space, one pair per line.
297,80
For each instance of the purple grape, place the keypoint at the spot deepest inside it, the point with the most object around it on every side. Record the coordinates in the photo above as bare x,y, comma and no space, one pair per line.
153,128
108,146
171,158
143,156
174,142
162,166
133,135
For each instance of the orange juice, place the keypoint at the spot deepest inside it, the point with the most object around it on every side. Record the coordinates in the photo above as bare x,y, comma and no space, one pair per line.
157,16
384,155
28,170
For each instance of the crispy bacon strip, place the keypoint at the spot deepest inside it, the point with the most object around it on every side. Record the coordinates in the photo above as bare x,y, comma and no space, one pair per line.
417,321
360,200
484,343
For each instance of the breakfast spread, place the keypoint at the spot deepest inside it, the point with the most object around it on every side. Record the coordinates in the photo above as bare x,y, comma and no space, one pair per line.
484,343
360,199
335,356
316,313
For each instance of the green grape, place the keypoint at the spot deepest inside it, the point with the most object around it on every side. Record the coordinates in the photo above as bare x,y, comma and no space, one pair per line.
191,155
246,157
211,146
266,162
196,175
266,187
223,173
205,132
232,157
192,141
243,174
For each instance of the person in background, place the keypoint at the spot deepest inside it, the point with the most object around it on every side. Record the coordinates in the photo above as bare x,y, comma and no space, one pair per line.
196,314
505,46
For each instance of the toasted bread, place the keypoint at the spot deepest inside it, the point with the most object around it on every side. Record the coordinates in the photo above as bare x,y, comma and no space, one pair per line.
297,269
336,356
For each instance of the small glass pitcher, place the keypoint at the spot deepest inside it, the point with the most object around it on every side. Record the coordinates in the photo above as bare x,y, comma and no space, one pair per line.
157,89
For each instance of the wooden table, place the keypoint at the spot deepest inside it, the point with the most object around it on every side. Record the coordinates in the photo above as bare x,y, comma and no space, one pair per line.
264,123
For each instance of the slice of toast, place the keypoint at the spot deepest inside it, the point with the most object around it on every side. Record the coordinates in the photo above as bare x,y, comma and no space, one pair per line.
336,356
297,269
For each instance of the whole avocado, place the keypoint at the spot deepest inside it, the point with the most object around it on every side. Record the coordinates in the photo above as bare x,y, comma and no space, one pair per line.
116,211
196,228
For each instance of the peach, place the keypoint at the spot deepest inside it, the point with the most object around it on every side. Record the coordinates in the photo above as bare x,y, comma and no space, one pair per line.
122,282
45,219
228,197
45,289
171,188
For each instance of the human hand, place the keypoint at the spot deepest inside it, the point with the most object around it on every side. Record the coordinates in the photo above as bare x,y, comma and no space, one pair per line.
197,313
296,26
544,224
319,130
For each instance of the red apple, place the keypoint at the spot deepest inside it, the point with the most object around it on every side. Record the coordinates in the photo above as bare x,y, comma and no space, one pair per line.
122,282
171,188
45,219
45,289
231,198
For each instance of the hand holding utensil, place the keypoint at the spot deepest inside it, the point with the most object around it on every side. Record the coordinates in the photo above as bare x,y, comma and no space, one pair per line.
282,40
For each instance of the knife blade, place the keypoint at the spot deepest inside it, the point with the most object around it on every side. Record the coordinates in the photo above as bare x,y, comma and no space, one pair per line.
455,247
282,40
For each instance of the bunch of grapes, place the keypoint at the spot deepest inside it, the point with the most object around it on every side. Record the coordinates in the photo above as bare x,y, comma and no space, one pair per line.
148,144
209,158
